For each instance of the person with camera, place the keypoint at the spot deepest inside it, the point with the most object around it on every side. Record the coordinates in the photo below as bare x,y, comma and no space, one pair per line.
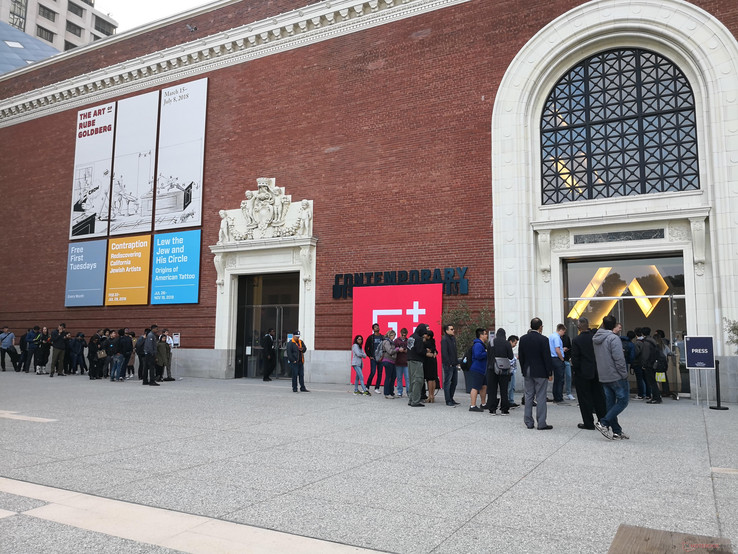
58,349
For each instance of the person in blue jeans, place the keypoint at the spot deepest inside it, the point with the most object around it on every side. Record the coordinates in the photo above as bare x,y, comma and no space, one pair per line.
613,374
357,355
513,339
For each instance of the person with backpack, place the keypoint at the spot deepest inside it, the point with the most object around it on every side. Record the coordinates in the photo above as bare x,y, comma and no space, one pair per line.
649,356
33,340
401,367
642,386
389,355
478,368
499,362
372,350
416,354
7,346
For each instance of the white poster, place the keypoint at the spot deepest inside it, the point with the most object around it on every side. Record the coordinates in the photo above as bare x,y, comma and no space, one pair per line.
133,168
181,153
92,176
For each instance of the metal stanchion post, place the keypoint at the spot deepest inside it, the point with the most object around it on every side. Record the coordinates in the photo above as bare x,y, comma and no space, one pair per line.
717,388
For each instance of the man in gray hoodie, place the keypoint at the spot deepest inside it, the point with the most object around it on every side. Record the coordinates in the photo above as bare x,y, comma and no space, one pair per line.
613,374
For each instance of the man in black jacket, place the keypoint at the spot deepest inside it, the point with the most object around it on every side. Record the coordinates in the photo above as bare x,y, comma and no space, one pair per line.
58,349
450,361
268,353
534,356
416,353
586,381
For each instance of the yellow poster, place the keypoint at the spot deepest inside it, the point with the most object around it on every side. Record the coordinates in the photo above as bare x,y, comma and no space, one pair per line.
128,271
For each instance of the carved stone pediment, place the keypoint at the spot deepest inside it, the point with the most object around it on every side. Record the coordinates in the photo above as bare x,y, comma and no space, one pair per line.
265,213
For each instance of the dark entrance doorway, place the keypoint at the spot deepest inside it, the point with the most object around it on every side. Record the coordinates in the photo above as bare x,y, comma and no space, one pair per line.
265,301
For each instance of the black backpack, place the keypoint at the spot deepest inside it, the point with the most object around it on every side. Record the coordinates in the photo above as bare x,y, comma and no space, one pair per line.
657,358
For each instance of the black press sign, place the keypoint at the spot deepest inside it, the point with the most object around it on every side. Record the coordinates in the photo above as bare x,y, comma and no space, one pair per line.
700,352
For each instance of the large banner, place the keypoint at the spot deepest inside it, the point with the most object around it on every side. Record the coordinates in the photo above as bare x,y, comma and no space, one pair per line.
133,168
395,307
93,157
176,269
181,154
85,273
128,271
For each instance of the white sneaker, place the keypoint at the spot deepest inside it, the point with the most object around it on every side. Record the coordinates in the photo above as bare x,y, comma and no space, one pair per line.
570,397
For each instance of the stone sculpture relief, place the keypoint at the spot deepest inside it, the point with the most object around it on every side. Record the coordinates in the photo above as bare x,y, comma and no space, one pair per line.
266,212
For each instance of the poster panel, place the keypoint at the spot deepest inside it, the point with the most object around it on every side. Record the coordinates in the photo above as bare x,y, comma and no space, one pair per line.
395,307
85,273
133,167
175,277
93,158
128,271
181,154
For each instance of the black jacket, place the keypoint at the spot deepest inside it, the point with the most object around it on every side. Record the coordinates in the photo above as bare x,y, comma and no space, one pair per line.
449,354
583,362
415,347
534,355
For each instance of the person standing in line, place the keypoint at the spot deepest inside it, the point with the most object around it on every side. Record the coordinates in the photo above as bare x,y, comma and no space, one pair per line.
450,364
401,368
499,361
114,350
33,340
534,355
7,346
370,347
43,352
613,374
357,359
586,381
149,375
513,340
389,355
557,360
168,361
648,355
430,365
566,341
161,356
269,355
295,357
58,349
415,356
140,343
92,347
478,369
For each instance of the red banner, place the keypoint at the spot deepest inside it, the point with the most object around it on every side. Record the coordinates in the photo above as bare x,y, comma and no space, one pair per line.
395,307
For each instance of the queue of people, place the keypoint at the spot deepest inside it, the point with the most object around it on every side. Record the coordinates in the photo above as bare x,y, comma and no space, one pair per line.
108,354
596,363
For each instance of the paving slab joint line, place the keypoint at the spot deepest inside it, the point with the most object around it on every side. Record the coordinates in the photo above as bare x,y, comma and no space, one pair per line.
451,534
187,532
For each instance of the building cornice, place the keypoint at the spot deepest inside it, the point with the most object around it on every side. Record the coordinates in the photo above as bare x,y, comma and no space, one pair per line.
287,31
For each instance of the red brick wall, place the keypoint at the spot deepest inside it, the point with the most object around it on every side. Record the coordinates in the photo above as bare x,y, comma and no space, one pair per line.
387,130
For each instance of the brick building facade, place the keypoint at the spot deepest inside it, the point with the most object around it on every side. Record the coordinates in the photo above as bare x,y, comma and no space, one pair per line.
383,113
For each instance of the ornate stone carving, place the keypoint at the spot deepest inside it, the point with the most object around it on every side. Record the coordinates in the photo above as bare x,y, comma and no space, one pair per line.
306,260
679,231
699,241
267,212
560,240
219,270
544,254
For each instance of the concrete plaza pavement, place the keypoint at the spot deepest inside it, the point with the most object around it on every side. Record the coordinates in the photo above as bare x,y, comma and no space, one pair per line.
250,458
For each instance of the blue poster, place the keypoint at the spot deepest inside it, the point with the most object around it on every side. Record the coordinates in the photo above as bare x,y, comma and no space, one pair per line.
86,273
175,275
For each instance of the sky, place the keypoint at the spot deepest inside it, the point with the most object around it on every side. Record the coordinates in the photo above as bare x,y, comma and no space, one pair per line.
134,13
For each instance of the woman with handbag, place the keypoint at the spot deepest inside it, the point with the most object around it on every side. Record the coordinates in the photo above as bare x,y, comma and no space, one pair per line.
499,359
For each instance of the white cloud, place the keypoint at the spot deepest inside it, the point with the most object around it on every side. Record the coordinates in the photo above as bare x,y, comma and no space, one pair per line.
133,13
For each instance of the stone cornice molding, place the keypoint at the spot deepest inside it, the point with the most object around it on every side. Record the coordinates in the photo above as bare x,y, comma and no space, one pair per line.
655,216
295,29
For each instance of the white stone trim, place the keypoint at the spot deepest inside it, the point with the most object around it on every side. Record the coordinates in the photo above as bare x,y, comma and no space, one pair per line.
287,31
708,55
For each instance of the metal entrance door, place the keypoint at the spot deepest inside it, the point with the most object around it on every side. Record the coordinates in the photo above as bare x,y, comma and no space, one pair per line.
257,320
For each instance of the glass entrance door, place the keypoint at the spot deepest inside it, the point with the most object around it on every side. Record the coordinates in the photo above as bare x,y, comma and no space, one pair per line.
265,302
644,292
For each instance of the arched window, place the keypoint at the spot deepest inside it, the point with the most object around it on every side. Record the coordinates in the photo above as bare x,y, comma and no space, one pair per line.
620,123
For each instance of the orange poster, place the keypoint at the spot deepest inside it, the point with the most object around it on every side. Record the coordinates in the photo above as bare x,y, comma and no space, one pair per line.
128,271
